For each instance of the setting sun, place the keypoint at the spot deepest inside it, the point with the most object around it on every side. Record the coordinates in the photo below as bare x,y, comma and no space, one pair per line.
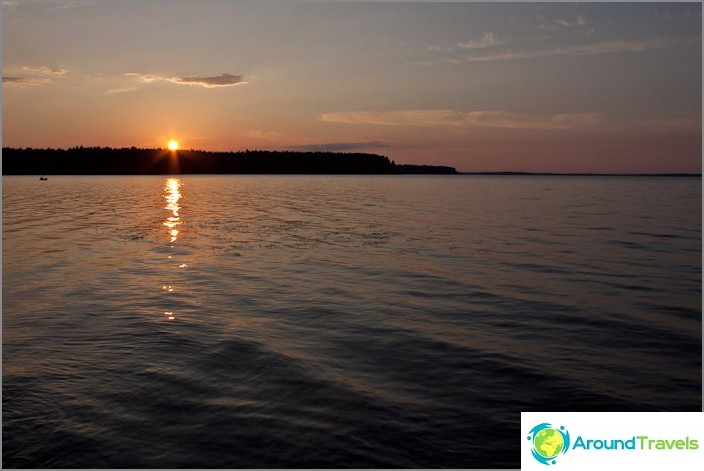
173,145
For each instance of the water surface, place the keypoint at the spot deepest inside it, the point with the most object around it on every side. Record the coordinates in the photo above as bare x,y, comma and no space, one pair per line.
293,321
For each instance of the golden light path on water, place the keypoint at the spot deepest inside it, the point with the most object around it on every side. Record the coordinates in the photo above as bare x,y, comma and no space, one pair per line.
172,196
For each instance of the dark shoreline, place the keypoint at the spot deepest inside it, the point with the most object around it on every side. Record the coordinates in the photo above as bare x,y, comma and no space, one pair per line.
471,174
135,161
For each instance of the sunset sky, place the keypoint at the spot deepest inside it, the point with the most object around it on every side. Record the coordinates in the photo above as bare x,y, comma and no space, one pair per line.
590,87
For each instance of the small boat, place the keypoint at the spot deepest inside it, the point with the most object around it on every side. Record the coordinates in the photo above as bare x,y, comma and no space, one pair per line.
43,178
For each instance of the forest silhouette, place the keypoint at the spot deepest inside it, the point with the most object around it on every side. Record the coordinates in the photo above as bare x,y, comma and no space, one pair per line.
136,161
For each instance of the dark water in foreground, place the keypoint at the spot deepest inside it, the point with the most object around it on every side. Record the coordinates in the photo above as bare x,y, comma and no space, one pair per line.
248,322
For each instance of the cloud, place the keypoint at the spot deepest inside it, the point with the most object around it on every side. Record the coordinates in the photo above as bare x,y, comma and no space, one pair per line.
23,76
44,70
224,80
579,22
270,135
113,91
24,81
340,146
146,77
274,136
486,40
455,118
559,24
610,47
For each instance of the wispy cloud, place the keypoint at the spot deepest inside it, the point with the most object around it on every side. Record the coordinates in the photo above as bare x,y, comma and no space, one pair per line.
340,146
560,24
580,21
224,80
146,77
486,40
24,75
43,70
269,135
455,118
24,81
113,91
610,47
277,137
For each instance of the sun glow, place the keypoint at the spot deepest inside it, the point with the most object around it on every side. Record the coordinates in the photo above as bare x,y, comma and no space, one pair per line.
173,145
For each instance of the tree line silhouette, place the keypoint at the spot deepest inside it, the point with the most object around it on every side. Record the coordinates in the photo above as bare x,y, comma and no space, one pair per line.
136,161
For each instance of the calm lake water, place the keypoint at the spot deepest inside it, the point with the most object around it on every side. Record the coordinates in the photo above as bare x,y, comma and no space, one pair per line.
300,321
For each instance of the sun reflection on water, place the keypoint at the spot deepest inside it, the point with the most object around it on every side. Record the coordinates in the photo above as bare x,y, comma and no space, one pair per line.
172,196
172,187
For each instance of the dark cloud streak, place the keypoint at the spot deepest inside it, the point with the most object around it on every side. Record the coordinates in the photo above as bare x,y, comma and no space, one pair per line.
224,80
24,81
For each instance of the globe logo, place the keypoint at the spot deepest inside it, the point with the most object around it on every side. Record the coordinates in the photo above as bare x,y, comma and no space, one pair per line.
548,442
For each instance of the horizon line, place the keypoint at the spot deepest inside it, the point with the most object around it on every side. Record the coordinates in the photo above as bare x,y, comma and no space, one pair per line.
458,172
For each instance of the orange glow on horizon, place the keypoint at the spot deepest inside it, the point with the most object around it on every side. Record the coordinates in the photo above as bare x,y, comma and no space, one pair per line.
173,145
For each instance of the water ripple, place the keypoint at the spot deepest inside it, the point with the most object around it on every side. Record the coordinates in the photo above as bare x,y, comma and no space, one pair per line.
337,321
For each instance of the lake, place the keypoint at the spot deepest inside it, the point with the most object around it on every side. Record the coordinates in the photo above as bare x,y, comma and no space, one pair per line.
338,321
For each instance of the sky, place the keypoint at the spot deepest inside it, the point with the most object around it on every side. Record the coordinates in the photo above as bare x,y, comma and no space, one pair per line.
537,87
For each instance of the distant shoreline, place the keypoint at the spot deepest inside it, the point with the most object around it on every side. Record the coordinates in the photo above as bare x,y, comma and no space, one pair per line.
135,161
551,174
470,174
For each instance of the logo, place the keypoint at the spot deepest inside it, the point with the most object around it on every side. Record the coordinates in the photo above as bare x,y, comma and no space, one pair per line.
549,442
